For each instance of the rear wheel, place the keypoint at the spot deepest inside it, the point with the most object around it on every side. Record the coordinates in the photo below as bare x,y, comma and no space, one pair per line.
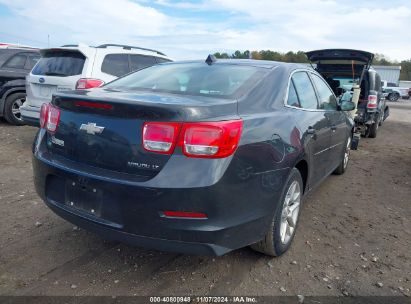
283,226
12,108
381,120
373,129
346,157
393,96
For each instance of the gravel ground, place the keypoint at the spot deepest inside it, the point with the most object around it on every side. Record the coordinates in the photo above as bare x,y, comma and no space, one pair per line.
354,236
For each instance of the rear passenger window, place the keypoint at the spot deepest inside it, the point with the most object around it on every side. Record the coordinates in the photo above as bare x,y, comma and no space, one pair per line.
327,98
292,96
115,64
16,62
378,83
305,90
31,62
139,62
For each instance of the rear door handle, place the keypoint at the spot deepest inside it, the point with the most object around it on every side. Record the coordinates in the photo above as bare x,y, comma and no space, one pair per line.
311,130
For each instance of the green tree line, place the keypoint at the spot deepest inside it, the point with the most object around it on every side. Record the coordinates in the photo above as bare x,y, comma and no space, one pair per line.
299,57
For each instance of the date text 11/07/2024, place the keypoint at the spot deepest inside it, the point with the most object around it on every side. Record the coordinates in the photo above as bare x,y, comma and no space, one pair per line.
205,299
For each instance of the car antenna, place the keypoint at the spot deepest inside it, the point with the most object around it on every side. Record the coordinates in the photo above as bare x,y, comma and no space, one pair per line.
210,59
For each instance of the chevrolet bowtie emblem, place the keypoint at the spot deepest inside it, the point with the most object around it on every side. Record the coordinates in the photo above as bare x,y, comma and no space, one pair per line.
91,128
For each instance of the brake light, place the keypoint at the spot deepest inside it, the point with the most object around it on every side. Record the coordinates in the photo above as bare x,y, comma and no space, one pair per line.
196,139
210,139
88,83
53,119
372,101
95,105
160,137
183,214
44,111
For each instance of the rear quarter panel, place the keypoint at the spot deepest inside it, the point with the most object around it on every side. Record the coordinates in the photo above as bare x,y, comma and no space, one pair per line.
270,144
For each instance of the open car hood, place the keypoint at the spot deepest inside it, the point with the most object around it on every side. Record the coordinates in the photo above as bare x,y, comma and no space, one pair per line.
335,56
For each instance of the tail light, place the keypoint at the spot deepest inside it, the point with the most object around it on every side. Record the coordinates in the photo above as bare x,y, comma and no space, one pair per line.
160,137
210,139
88,83
202,139
53,119
372,102
44,111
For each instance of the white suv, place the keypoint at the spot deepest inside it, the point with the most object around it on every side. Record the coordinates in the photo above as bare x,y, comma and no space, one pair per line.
73,67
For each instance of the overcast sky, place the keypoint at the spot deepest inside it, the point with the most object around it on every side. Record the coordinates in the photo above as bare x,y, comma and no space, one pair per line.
193,29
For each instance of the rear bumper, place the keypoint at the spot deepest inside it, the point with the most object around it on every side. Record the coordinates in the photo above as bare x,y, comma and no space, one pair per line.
138,240
239,210
30,115
366,116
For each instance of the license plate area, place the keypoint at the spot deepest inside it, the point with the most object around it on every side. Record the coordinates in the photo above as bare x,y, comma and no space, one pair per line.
46,90
83,197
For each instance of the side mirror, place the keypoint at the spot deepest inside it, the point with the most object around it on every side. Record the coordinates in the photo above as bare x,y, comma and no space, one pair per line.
347,106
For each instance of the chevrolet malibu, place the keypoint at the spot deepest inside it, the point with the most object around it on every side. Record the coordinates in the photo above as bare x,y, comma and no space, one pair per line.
199,157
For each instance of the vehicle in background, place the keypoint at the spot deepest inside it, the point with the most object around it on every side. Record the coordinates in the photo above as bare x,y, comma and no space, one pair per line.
73,67
16,61
342,68
393,92
195,157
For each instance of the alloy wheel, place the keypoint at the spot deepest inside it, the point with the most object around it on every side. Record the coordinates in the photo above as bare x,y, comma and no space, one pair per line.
290,212
347,152
15,108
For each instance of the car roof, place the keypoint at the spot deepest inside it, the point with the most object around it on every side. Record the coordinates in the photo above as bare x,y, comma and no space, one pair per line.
106,48
11,46
267,64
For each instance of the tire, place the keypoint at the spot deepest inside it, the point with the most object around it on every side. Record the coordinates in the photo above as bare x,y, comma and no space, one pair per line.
12,108
373,130
277,240
393,96
342,167
381,120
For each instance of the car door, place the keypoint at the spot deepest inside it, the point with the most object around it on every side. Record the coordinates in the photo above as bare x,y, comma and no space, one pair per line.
313,122
336,120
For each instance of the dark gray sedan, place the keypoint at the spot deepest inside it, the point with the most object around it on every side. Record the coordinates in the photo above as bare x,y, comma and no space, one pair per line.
195,157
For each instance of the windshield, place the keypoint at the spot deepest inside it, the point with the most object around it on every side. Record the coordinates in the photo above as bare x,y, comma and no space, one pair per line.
60,63
218,80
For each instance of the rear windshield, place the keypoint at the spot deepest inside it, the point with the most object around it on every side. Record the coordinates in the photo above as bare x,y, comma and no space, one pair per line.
60,64
218,80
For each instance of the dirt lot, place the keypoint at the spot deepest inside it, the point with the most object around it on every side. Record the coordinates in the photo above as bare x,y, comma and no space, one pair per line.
354,236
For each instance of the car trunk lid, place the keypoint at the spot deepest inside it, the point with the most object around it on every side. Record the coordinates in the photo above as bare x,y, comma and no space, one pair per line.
340,56
331,62
103,128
